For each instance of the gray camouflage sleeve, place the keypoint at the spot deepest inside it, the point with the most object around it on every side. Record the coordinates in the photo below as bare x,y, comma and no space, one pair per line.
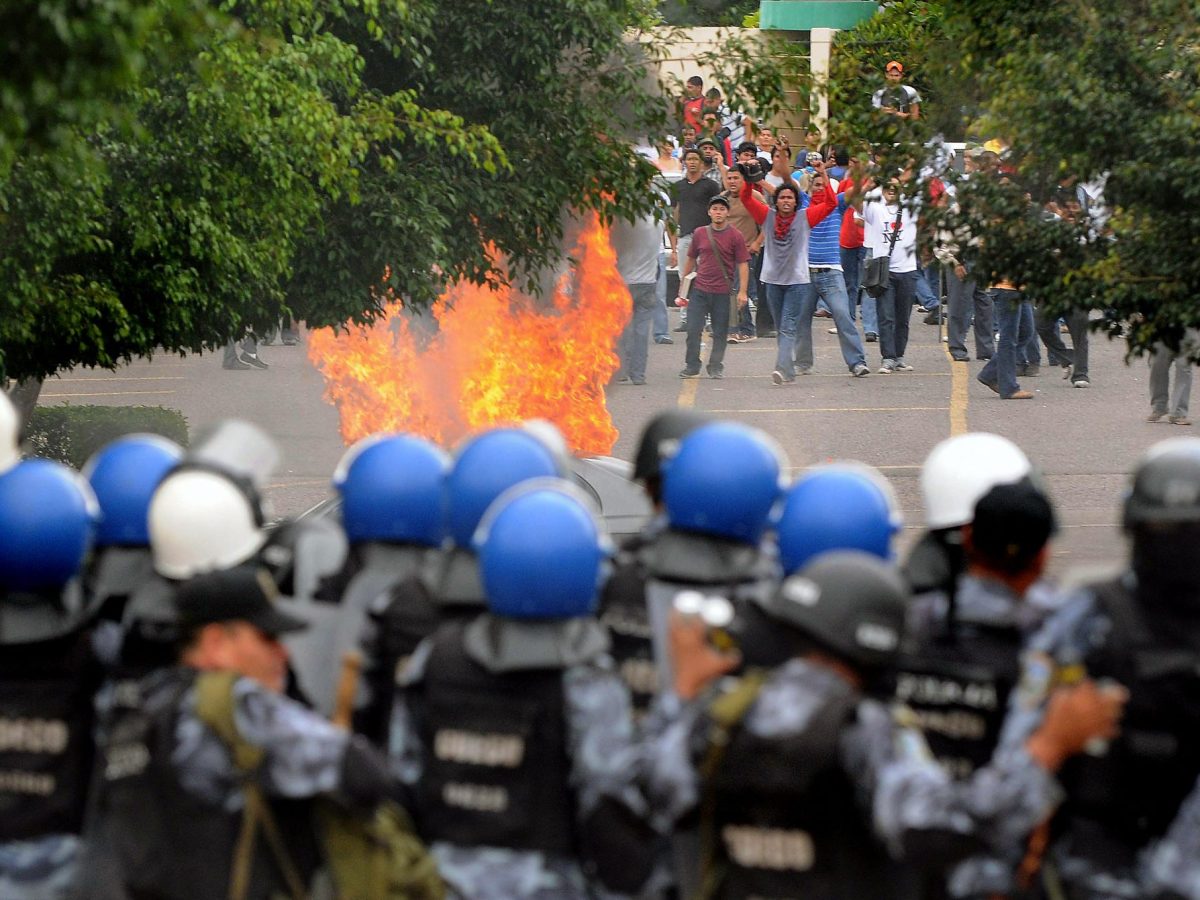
604,754
303,751
910,793
668,769
1172,865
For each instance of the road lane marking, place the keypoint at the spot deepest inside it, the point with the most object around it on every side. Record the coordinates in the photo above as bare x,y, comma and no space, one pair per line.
108,394
687,392
958,390
126,378
832,409
800,378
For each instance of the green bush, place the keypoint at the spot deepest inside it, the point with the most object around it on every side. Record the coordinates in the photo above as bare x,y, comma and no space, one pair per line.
70,434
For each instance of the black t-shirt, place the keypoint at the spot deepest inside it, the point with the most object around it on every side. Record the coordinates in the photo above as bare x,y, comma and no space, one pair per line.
692,201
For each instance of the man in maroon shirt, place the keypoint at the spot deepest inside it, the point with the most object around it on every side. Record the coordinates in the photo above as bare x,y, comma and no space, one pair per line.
719,256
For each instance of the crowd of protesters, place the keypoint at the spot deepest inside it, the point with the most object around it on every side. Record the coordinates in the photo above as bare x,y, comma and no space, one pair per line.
761,238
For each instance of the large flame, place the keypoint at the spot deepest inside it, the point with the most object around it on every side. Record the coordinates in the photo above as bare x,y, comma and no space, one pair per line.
497,358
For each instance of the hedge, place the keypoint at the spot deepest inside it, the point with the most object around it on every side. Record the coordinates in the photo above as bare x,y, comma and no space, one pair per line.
71,434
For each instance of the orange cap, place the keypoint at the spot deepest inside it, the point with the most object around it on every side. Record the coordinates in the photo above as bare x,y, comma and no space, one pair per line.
894,64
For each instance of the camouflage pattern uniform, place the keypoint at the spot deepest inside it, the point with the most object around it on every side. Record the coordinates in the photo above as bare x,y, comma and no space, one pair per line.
604,763
896,779
1169,866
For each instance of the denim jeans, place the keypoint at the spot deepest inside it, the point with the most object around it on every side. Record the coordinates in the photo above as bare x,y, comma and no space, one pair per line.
959,294
852,264
1161,362
1009,308
785,301
634,344
830,286
661,327
926,295
895,308
1058,353
745,317
700,305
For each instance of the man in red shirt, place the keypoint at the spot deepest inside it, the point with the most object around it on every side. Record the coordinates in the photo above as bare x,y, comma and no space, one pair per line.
853,254
692,105
721,261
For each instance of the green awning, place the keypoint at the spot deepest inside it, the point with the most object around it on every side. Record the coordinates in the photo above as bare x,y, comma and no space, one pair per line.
805,15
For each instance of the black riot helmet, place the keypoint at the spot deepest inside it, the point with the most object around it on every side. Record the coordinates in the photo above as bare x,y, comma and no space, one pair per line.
848,602
660,439
1166,485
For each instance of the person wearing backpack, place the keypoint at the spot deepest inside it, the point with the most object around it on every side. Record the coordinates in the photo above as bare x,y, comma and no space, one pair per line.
212,784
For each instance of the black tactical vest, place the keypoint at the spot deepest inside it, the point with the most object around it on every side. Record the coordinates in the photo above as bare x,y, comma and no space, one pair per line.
150,839
408,617
496,771
958,685
47,689
624,614
1120,801
786,825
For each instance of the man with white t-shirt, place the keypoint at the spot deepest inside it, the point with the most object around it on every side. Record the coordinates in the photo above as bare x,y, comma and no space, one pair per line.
887,220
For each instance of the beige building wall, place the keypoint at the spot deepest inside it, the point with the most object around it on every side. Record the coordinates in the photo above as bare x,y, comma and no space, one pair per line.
686,46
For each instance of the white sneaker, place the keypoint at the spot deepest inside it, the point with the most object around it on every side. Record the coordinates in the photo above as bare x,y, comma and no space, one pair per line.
886,370
860,370
903,367
833,330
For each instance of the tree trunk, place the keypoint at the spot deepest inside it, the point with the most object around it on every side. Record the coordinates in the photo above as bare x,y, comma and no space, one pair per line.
24,396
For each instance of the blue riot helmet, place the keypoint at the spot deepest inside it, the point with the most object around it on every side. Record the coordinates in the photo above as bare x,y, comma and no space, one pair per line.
541,551
723,481
842,506
124,475
485,467
47,518
393,489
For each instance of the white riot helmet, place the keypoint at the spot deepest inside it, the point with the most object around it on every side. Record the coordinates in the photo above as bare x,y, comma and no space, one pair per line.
10,434
960,470
202,520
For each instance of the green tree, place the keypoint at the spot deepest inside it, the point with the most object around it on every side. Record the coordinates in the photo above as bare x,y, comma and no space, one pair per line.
1088,90
306,156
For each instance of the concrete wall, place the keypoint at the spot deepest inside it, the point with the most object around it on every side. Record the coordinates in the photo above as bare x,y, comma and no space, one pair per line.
682,62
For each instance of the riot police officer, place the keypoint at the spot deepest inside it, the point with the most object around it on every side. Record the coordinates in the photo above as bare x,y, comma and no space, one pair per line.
623,609
49,674
775,761
1127,827
209,786
962,661
485,466
957,472
718,492
124,475
393,491
837,506
514,730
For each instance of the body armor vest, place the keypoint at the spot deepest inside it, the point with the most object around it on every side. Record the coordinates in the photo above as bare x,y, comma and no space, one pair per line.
785,822
958,685
624,613
156,840
47,691
408,616
1120,801
496,767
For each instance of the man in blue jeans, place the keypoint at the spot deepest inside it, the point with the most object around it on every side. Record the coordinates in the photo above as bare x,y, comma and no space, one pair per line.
825,275
719,256
890,229
1016,326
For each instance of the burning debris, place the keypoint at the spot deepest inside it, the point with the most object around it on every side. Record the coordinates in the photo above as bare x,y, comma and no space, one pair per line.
497,357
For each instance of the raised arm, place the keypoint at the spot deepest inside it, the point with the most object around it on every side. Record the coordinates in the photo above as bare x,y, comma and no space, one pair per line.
756,207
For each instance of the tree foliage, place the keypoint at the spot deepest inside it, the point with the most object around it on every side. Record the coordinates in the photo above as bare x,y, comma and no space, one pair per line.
301,155
1084,92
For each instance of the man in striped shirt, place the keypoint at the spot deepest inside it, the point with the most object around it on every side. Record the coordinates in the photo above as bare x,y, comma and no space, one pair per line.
825,272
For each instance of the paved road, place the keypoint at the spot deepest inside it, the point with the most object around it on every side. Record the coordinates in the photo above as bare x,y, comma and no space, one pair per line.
1084,440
